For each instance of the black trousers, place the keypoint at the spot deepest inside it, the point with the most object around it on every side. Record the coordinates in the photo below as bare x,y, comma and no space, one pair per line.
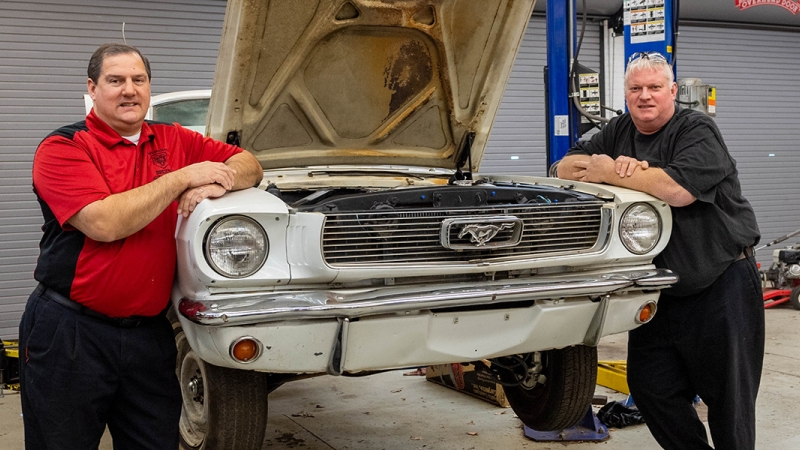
79,374
710,344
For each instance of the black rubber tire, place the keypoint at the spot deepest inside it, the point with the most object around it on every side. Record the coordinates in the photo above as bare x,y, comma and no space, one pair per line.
231,412
566,395
794,297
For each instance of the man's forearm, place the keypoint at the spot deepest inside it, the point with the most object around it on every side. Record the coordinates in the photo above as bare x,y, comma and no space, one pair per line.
603,169
566,168
120,215
248,170
656,182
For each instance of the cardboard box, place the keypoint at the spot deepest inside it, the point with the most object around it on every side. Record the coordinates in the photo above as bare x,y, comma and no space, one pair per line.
469,380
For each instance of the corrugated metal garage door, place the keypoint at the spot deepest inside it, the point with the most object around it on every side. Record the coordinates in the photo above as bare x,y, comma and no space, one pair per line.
519,130
756,73
44,49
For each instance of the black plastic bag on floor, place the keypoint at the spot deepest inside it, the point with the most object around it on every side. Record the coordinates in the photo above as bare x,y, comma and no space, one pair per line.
616,415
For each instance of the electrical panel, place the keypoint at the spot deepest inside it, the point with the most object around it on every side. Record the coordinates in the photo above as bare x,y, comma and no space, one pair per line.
693,94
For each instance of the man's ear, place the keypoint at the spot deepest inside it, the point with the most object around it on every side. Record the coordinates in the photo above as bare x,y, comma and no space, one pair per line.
91,87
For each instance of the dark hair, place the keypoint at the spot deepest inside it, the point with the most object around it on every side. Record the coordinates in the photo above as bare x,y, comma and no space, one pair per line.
112,49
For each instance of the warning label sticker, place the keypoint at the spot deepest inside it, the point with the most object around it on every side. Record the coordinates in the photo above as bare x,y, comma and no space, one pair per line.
646,19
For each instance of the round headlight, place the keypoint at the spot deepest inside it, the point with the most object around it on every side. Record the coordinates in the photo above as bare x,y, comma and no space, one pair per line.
236,247
640,228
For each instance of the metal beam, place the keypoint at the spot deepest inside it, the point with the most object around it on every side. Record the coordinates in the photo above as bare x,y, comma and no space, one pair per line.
562,132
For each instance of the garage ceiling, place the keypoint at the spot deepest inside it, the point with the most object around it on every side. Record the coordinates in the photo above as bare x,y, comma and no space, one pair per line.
707,10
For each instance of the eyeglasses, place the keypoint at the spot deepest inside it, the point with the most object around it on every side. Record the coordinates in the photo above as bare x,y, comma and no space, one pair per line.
652,56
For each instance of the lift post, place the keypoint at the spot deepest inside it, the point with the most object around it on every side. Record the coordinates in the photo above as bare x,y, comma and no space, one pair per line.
562,130
650,26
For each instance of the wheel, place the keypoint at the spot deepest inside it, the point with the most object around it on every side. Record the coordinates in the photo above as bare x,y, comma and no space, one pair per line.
557,390
794,297
223,409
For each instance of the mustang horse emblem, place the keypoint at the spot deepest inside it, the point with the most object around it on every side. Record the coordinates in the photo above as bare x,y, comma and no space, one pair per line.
481,234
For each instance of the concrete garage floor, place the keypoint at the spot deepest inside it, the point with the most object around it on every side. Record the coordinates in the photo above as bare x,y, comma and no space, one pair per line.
393,411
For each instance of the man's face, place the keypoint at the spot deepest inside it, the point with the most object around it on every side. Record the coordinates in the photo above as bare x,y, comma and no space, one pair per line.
122,93
650,98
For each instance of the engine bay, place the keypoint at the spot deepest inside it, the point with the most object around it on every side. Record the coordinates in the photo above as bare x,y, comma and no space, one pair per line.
477,194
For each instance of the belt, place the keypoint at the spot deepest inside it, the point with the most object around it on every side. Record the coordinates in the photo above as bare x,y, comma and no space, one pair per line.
748,252
121,322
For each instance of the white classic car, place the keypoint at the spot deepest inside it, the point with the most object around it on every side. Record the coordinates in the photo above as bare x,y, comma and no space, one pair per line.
374,243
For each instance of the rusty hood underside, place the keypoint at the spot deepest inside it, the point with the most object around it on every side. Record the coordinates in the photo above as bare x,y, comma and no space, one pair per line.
366,82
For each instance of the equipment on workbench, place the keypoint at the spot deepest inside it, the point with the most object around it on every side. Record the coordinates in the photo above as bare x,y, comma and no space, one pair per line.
783,276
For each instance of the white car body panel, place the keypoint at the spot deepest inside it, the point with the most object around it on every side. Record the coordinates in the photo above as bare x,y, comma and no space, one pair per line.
298,305
416,338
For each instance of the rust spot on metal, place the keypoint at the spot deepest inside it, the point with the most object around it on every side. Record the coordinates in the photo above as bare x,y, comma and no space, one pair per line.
408,74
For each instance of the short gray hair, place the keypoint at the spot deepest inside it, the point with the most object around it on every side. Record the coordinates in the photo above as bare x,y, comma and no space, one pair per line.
649,60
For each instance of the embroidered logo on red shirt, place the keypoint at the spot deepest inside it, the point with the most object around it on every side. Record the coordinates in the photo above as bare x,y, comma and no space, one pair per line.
159,158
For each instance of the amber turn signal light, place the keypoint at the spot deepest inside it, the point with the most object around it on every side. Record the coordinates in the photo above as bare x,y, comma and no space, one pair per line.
646,312
245,349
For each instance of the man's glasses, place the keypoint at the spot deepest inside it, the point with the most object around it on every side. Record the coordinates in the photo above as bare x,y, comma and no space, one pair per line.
652,56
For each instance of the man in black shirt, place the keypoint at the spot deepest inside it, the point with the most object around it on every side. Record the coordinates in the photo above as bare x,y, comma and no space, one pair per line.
708,336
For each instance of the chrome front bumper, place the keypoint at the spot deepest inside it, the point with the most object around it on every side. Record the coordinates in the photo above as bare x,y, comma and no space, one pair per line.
230,310
347,332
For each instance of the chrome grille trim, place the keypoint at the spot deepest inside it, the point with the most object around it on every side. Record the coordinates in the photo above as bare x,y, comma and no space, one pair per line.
397,237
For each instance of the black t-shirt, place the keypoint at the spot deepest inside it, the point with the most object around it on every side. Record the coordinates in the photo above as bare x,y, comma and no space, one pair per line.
710,233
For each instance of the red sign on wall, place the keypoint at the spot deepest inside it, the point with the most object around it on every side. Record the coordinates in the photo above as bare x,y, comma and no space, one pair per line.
790,5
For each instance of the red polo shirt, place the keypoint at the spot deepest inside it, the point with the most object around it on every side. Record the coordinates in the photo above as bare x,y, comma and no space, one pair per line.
88,161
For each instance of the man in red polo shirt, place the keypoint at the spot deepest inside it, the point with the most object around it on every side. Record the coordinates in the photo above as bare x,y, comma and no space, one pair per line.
98,349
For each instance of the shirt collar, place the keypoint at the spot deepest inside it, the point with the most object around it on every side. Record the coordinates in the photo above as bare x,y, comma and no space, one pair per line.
108,136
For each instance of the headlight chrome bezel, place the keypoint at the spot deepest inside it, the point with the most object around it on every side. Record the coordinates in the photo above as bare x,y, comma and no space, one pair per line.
631,243
216,227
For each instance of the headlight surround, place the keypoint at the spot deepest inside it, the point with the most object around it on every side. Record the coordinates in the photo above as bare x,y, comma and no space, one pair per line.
640,228
236,246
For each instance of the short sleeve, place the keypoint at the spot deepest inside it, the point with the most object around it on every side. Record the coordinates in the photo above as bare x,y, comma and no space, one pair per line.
66,178
700,160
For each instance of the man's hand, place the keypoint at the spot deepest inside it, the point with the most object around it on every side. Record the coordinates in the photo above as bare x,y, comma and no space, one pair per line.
192,197
626,166
207,172
120,215
625,172
595,169
600,168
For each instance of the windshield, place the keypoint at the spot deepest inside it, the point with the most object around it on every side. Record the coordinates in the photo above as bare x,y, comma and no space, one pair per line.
189,113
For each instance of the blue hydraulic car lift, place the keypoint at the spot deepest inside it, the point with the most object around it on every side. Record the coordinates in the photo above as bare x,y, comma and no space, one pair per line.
563,117
561,126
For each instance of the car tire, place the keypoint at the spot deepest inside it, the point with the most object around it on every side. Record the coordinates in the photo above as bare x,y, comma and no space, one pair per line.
794,297
566,394
223,409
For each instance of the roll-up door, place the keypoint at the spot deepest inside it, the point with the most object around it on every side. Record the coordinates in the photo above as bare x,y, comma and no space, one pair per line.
45,46
756,73
517,141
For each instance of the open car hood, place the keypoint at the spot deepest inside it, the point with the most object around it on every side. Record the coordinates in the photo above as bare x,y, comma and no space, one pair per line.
328,82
